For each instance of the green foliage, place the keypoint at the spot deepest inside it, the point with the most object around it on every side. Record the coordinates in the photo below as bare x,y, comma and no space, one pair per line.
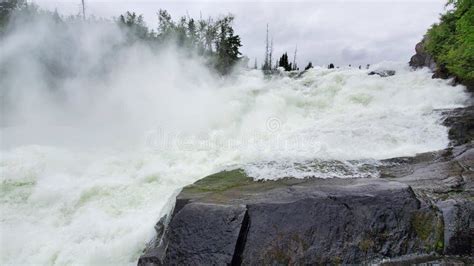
135,26
227,45
451,41
220,182
213,39
6,10
283,62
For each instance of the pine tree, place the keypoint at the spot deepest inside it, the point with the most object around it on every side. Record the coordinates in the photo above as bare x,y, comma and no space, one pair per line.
283,62
7,8
192,33
166,26
135,26
227,46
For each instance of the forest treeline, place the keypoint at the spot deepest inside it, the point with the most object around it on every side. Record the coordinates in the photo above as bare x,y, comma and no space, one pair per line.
213,39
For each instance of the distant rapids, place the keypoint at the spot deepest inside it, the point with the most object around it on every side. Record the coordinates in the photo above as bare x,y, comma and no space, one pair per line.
86,185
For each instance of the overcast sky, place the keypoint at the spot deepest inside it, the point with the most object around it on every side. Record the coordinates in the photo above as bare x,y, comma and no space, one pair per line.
342,32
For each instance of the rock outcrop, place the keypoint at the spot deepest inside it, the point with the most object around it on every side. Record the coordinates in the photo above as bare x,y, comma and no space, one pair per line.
421,59
382,73
420,209
460,122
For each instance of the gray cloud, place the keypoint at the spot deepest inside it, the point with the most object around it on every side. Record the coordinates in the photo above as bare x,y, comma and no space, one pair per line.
342,32
353,54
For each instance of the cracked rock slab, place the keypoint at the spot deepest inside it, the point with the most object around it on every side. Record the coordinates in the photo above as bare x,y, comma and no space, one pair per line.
200,233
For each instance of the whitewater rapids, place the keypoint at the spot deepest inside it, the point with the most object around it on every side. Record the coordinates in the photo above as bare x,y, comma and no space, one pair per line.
90,192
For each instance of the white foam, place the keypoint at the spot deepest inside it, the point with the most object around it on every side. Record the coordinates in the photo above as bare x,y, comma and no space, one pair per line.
85,182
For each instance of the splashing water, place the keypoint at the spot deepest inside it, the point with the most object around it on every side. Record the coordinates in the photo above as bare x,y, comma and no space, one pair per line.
62,204
85,177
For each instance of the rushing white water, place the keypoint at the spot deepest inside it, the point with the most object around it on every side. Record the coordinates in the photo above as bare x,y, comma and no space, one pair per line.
64,203
87,168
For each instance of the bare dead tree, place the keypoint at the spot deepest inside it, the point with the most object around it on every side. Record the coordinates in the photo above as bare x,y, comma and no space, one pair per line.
294,58
266,63
83,10
271,54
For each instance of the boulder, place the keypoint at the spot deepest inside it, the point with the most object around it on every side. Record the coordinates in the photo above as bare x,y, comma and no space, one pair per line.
458,221
199,233
297,221
461,124
422,58
382,73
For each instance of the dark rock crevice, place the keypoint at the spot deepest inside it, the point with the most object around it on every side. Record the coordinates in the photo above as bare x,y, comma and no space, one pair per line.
241,240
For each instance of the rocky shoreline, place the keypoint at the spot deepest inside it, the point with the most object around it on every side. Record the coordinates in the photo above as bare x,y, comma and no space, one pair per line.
422,58
420,209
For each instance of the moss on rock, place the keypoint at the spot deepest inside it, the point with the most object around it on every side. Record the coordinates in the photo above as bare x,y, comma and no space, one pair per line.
430,229
220,182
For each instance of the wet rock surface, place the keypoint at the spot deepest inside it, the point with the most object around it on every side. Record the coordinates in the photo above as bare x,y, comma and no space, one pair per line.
421,209
460,122
382,73
200,233
422,58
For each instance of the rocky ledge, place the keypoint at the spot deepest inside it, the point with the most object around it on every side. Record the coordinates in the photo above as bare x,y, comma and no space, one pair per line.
422,58
420,209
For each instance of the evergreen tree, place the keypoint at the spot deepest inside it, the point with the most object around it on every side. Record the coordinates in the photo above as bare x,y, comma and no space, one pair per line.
210,35
166,26
7,8
310,65
451,41
192,33
135,26
283,62
227,46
